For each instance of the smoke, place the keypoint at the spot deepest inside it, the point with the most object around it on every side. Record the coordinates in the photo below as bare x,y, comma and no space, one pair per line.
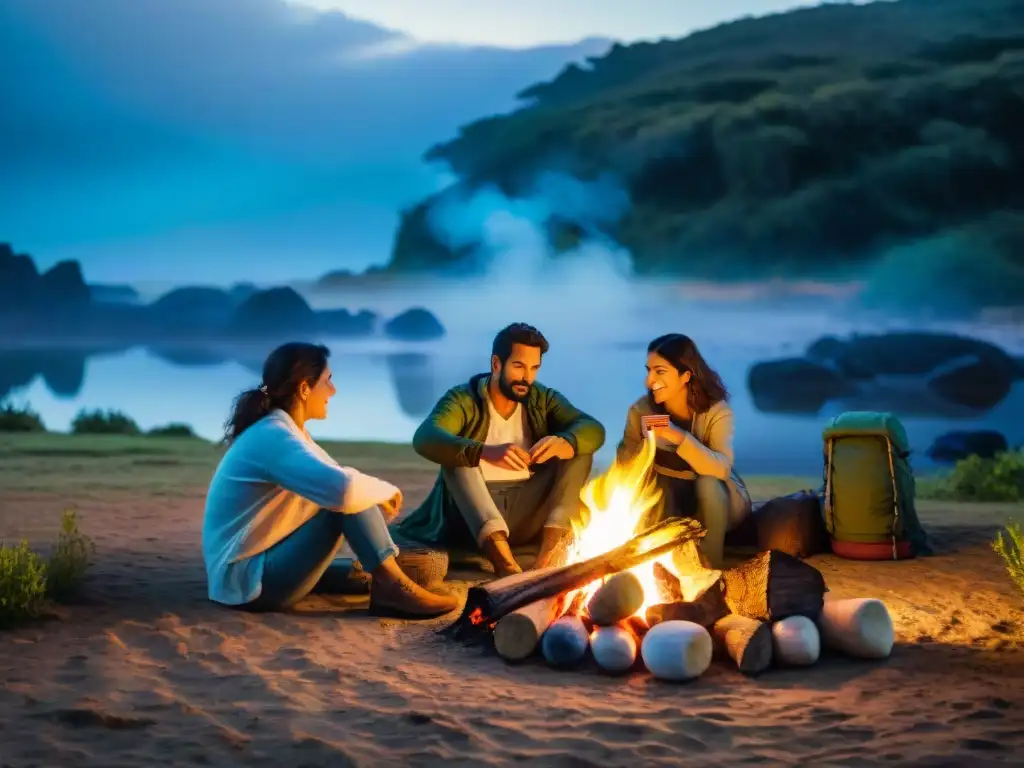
544,252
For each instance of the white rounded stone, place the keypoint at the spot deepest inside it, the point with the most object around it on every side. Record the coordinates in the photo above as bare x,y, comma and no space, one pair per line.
677,650
614,648
796,641
858,626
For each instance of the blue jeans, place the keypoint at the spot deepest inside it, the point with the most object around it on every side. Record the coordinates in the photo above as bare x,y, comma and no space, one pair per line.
704,498
293,566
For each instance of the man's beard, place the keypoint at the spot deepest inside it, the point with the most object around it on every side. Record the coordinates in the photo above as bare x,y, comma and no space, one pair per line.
506,389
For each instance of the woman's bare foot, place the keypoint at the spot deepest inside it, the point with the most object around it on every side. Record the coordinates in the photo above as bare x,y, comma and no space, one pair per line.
497,550
393,592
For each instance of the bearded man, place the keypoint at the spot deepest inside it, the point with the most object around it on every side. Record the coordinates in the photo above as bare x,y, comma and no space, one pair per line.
514,456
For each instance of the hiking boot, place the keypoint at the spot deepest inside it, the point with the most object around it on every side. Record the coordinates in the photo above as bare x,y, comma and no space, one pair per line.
404,598
497,550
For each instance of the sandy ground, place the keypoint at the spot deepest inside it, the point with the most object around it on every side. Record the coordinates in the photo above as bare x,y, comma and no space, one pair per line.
144,671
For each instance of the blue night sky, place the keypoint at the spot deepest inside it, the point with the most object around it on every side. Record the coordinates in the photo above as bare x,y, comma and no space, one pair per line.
221,140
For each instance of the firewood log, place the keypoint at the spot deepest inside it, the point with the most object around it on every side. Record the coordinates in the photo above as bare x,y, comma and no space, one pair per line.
706,609
617,599
677,650
517,634
565,643
746,641
858,626
614,648
774,585
669,590
795,641
487,603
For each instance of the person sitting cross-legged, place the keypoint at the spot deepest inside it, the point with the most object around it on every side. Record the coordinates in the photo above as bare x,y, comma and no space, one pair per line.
279,507
514,456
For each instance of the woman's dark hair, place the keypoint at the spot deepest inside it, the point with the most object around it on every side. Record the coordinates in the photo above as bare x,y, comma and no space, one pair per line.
283,372
705,387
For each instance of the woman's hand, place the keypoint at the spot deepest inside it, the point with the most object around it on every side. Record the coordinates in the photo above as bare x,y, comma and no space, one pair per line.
670,434
392,507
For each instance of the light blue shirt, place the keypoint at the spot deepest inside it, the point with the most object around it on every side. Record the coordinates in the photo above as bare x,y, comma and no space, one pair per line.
271,480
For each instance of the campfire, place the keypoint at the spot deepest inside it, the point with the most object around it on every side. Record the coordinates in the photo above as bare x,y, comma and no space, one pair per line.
629,592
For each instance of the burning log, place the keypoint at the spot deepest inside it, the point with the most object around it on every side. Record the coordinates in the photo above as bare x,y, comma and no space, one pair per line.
707,608
517,634
669,589
565,643
857,626
487,603
774,585
746,641
617,599
677,650
795,641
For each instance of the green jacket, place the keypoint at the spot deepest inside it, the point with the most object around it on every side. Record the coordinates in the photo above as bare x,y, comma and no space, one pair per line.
452,435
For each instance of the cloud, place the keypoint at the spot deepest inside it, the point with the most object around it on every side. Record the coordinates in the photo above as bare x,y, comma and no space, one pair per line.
134,119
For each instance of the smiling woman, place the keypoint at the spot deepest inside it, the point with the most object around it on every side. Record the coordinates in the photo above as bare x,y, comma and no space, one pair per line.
279,507
686,408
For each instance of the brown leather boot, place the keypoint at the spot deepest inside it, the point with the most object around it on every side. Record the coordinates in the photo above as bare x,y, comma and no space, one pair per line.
497,550
394,594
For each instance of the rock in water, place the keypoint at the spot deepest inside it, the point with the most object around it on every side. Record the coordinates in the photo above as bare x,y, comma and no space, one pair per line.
565,642
617,599
795,641
614,648
857,626
677,650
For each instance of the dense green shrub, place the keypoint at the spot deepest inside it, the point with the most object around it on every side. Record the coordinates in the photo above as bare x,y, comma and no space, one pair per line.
71,557
15,418
1011,548
22,584
100,422
1000,478
174,429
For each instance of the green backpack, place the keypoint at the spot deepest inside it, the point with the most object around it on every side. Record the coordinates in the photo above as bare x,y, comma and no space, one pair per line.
869,488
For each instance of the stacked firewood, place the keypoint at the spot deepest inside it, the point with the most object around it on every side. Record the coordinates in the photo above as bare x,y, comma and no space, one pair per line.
768,610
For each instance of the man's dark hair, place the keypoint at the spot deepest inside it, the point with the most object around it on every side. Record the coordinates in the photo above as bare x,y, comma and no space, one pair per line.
517,333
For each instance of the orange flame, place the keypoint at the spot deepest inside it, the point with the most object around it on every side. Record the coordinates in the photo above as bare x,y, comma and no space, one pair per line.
618,501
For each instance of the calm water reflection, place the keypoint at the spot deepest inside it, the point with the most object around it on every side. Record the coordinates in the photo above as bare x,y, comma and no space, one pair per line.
384,393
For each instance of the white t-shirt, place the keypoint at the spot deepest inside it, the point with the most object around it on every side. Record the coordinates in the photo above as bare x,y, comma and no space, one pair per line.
501,431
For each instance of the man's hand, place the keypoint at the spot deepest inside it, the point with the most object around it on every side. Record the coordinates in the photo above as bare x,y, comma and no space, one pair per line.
391,507
507,456
551,447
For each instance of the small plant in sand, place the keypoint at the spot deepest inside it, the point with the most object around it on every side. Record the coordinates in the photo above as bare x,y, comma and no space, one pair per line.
1000,478
99,422
1009,545
71,557
22,584
14,418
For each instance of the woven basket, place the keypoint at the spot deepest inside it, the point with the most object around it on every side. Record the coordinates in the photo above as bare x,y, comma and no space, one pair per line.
422,565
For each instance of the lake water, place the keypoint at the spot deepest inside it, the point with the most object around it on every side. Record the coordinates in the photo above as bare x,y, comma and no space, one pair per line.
597,358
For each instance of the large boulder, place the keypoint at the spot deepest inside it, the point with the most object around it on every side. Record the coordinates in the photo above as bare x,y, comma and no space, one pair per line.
63,288
274,313
974,382
19,279
416,324
795,385
341,322
904,353
957,445
193,308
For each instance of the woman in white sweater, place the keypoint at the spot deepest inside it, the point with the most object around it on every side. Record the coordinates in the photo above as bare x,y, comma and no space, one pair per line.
279,507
